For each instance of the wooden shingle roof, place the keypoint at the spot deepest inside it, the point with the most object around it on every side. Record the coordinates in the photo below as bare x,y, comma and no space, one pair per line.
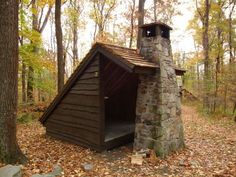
130,56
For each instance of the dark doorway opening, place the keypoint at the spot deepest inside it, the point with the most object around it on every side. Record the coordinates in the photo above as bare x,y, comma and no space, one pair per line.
120,91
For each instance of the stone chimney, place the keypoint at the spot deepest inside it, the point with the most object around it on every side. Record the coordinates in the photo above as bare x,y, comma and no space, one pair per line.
158,111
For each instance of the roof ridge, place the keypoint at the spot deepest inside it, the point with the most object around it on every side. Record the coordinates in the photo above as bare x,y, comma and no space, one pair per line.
114,45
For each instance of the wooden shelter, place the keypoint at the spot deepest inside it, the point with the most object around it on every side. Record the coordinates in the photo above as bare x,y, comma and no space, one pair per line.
96,107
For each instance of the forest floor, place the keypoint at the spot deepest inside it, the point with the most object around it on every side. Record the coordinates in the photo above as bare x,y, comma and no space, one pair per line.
210,151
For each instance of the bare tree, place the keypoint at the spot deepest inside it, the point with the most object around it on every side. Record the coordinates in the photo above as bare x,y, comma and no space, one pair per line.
204,16
60,56
140,21
155,10
164,10
132,22
232,3
102,10
77,9
39,21
23,74
9,149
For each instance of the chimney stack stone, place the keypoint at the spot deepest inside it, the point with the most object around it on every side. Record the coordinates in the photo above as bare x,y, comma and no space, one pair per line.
158,111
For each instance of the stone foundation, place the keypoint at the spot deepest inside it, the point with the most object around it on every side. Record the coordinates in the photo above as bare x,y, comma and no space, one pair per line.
158,111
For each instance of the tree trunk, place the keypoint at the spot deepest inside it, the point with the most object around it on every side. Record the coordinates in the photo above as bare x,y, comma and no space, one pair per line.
155,10
140,21
95,32
132,23
75,24
230,33
9,149
75,43
225,97
30,97
205,44
30,81
23,74
218,59
23,77
234,109
60,59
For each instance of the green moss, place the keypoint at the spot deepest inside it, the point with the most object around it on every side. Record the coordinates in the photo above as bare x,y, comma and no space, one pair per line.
159,149
160,152
151,145
15,157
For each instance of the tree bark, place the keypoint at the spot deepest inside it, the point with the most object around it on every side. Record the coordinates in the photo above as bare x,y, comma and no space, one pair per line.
37,27
23,74
75,34
75,48
219,57
9,149
23,77
230,33
155,10
132,23
103,10
30,81
30,88
60,58
140,21
205,44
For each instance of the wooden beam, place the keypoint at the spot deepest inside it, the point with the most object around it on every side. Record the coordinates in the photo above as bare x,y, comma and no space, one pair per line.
144,70
118,60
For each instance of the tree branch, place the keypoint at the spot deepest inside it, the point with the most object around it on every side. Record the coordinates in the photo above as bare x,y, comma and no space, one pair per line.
45,20
199,12
41,16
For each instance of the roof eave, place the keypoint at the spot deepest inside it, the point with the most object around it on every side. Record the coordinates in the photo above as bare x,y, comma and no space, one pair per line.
144,70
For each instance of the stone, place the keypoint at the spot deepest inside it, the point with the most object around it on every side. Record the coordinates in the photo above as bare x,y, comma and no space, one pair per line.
87,166
181,163
45,175
158,110
194,164
10,171
144,152
137,159
57,171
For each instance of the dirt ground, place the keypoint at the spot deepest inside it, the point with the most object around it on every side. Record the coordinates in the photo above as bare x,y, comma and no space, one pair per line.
210,151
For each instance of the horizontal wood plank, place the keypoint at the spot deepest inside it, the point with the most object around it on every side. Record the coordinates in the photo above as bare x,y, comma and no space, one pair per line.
89,136
84,100
74,140
85,109
75,120
64,122
94,63
79,134
92,69
89,75
85,92
85,87
88,81
77,114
